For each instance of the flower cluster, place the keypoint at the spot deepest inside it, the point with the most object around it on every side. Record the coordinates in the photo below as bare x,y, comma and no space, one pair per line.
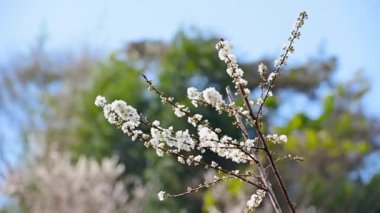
212,97
255,200
55,184
233,69
277,139
121,114
188,146
295,34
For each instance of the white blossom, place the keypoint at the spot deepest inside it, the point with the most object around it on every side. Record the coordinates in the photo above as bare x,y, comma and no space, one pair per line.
119,113
249,144
161,195
207,137
159,152
283,138
178,112
198,158
214,164
181,160
259,101
256,199
212,96
156,123
247,91
100,101
262,69
194,120
239,72
277,139
184,140
192,93
277,62
271,77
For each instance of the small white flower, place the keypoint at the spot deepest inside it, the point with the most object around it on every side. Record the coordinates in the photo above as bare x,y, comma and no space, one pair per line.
161,195
212,96
214,164
178,112
262,69
230,71
259,101
181,160
107,110
277,139
198,158
112,118
223,55
100,101
247,91
271,77
198,117
243,82
156,123
283,138
159,152
239,72
192,93
277,62
260,192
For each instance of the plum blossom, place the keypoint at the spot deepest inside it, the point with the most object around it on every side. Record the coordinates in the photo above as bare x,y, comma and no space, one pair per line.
212,96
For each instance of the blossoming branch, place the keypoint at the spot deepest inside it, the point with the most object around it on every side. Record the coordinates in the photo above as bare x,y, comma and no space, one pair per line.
188,148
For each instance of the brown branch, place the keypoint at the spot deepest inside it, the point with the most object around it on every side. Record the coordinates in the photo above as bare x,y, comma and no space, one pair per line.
276,172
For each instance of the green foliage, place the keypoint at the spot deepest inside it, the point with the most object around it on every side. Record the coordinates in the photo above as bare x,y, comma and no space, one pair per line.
333,146
234,187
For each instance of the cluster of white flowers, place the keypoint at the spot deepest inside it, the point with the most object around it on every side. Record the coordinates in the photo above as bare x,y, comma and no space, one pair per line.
100,101
288,47
55,184
212,96
255,200
226,147
271,77
259,101
233,69
193,95
184,141
277,139
118,112
121,114
194,120
185,146
224,53
250,143
178,111
262,69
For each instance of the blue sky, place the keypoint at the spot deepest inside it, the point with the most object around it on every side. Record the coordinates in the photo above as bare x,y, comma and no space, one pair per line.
346,29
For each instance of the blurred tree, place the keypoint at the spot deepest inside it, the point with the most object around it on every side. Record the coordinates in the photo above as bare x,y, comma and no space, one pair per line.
54,184
334,145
